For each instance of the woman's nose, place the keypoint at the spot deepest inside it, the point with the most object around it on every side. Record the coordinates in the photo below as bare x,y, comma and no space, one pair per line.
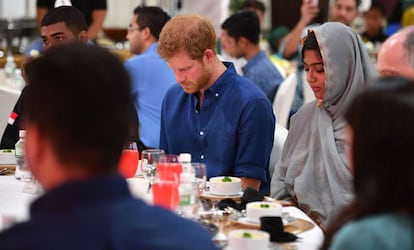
310,76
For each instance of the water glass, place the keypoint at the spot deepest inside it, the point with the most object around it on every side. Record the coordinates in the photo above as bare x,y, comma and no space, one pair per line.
149,162
200,175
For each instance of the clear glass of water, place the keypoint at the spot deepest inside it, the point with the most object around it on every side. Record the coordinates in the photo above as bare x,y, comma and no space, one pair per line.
149,162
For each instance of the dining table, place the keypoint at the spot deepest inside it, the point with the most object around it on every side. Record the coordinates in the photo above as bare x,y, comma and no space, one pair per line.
16,196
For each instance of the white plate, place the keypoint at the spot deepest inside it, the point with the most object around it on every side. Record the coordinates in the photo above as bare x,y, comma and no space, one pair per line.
247,222
228,248
208,193
209,196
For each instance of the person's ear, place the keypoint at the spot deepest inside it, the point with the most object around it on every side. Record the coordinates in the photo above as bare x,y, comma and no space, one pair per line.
242,42
208,55
83,37
146,32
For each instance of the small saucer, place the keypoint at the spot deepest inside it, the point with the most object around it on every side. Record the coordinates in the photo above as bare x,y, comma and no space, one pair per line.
256,225
211,196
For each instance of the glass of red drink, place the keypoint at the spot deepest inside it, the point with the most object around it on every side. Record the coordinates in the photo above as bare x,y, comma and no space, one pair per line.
169,164
165,191
128,163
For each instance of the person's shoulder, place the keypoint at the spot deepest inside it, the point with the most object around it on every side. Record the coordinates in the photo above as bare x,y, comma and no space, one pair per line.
382,231
19,236
178,229
174,93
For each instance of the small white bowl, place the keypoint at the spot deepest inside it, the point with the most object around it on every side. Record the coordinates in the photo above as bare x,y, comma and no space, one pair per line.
258,239
257,209
220,187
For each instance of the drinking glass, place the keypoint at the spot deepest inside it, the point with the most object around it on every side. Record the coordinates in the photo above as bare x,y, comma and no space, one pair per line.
200,175
169,163
128,163
149,162
165,190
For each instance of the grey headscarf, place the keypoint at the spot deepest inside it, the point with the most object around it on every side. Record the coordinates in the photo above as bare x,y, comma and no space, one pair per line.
313,166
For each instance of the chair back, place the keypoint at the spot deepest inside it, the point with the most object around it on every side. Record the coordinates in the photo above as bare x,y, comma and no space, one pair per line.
280,137
283,101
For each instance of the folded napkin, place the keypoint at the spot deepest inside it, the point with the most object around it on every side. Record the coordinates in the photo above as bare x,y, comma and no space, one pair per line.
249,195
274,226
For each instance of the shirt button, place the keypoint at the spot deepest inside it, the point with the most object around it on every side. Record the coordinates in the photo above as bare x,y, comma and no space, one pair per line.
217,94
202,157
201,133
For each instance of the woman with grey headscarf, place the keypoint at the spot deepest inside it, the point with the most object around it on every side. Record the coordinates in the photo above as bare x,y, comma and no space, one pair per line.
313,170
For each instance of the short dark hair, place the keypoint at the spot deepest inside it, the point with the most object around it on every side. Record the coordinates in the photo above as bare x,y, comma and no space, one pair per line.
310,43
358,2
79,97
244,23
71,16
253,4
377,6
152,17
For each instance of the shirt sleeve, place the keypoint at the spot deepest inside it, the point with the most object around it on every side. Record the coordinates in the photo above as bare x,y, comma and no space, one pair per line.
255,140
11,133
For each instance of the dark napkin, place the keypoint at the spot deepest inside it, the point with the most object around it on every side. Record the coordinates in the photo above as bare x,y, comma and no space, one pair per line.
249,195
274,226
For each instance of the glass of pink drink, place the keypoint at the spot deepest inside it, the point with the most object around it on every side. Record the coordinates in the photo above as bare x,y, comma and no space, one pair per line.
165,191
169,163
128,163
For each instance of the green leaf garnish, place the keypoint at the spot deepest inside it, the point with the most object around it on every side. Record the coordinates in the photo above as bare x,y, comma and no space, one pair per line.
246,235
226,179
264,205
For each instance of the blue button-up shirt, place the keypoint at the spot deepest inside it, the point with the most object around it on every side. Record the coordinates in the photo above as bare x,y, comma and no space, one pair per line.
232,132
151,77
261,71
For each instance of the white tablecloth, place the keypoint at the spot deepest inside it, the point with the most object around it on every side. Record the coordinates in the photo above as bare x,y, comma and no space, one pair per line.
311,239
14,204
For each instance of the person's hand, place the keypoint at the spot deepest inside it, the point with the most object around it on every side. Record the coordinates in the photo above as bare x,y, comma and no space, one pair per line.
308,11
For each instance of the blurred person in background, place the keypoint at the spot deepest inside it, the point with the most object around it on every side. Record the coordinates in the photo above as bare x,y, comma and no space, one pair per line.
93,10
60,25
240,34
150,75
374,19
344,11
256,6
396,55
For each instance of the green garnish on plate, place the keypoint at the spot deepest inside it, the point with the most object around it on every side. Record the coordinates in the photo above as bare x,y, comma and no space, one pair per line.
264,205
246,235
226,179
6,150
